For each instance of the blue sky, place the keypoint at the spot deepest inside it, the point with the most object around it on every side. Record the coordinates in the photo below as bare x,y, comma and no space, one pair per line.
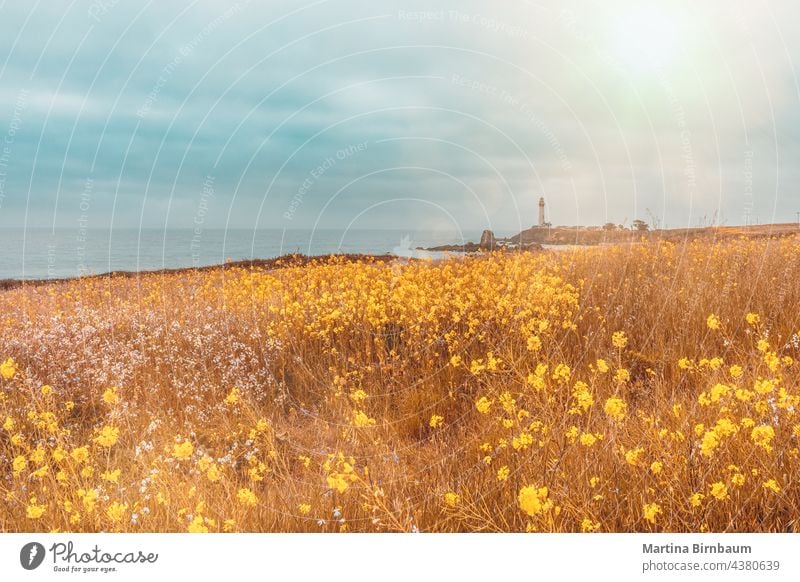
397,114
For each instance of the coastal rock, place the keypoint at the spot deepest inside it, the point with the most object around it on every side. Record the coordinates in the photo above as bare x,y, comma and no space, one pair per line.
487,240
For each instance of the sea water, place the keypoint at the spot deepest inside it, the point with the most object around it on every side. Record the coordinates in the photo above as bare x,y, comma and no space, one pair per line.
42,253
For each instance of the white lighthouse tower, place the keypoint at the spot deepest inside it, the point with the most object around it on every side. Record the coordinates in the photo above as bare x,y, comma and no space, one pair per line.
541,211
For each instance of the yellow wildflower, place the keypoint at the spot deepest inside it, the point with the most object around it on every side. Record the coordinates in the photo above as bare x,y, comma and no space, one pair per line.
589,526
725,427
719,491
33,510
89,498
338,481
116,511
80,454
360,419
616,408
233,397
358,396
764,387
709,443
19,464
452,499
183,450
38,454
213,474
508,402
583,395
619,339
762,436
525,439
633,456
197,525
8,368
111,396
246,496
651,511
503,473
476,367
107,437
561,373
204,463
534,500
111,476
483,405
719,391
622,376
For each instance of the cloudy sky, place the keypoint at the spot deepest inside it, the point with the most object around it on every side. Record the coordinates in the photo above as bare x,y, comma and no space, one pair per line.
398,114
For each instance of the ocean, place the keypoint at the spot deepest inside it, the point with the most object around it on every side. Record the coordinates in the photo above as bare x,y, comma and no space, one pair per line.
37,253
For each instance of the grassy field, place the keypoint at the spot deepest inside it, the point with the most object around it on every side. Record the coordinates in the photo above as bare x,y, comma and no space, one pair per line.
575,235
649,387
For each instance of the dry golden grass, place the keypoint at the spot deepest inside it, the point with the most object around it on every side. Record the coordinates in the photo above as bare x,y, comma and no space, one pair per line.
649,387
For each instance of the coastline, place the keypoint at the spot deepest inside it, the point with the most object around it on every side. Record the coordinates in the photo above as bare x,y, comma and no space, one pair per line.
289,260
555,239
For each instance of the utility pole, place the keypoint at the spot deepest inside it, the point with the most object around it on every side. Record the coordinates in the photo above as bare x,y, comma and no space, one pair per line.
798,218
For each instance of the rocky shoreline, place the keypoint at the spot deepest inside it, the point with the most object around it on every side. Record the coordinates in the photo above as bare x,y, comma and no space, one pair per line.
488,242
536,237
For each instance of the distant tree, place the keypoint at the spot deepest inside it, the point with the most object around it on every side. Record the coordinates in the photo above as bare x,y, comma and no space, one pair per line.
609,226
639,225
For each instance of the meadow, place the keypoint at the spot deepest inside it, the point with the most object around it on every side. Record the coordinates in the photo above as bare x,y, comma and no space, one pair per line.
644,387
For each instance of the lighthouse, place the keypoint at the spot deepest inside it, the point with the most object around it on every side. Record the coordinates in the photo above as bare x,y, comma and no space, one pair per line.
541,211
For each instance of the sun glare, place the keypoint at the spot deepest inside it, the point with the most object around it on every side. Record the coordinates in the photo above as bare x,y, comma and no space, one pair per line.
644,39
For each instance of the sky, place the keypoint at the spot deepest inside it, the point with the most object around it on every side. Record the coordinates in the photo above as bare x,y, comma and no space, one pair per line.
398,115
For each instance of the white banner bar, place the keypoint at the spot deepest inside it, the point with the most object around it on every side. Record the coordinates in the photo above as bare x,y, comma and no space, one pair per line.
403,557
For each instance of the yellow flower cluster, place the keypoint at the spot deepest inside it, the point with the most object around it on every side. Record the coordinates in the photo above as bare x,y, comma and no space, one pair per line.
534,500
616,408
340,472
